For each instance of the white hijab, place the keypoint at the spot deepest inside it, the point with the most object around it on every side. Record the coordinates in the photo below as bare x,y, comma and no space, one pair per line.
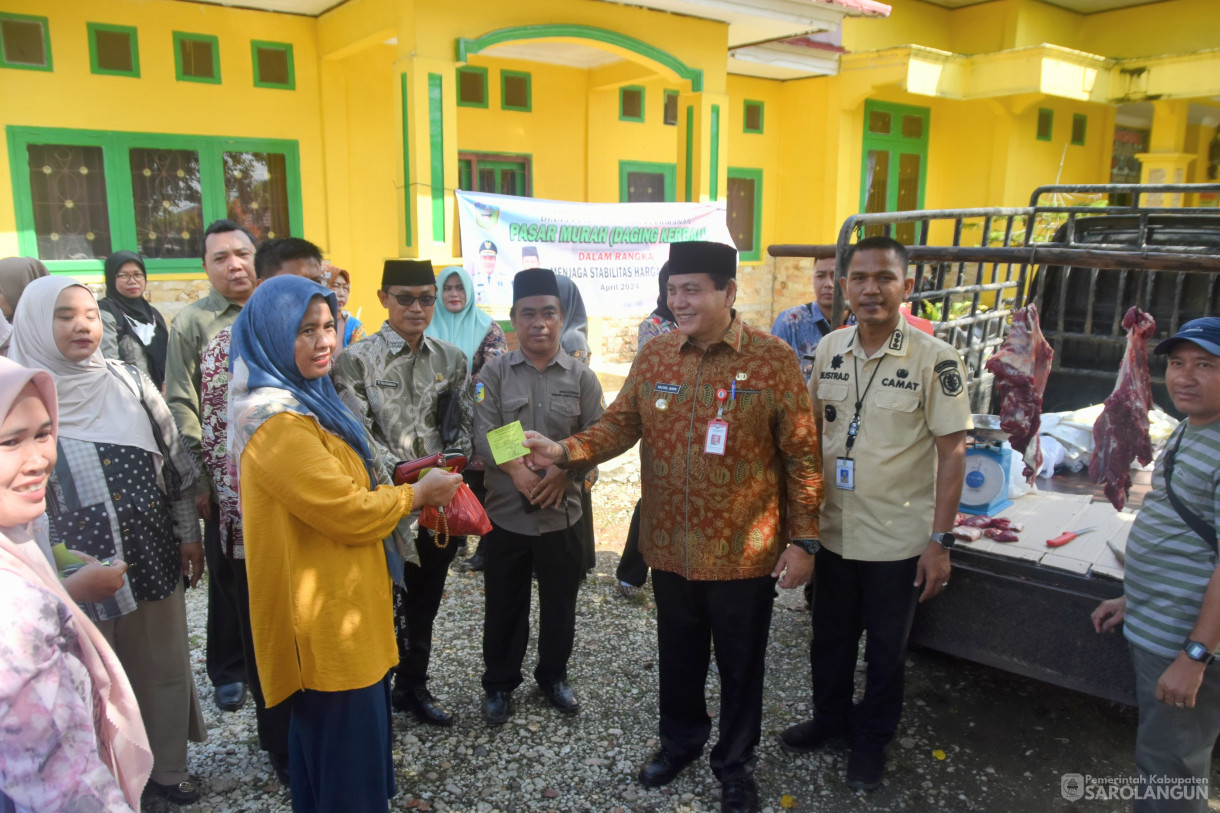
94,404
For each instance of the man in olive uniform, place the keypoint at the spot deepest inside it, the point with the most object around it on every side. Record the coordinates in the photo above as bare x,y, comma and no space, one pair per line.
398,382
892,413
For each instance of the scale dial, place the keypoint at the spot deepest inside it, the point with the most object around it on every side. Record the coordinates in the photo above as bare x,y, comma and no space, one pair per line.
985,481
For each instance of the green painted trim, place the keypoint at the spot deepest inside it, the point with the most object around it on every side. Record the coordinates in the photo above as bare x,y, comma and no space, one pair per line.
472,159
690,148
529,91
130,31
1050,124
643,100
896,144
480,71
46,42
467,46
436,150
669,94
670,171
755,175
745,116
713,181
406,160
116,163
267,45
184,36
1081,120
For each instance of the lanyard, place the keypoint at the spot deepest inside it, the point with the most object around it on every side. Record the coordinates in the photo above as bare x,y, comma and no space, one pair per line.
853,428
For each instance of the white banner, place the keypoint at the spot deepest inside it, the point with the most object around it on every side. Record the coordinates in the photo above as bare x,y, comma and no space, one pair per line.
612,251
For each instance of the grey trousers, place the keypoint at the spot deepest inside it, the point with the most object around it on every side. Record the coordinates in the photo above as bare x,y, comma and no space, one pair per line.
152,647
1173,743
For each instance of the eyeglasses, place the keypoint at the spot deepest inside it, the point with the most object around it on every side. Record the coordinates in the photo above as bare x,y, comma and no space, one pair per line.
407,300
129,275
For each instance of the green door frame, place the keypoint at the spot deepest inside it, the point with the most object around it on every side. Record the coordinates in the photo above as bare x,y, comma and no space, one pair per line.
895,144
669,171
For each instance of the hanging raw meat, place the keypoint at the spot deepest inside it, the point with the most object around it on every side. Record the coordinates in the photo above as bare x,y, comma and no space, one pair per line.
1021,367
1120,434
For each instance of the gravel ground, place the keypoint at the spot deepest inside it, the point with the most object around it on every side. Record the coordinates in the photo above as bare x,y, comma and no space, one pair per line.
971,739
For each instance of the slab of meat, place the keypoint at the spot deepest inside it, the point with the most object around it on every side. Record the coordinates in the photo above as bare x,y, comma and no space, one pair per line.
1120,434
968,534
977,521
1021,367
1001,535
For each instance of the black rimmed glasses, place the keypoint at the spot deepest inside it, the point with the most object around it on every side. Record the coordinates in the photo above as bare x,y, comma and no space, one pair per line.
407,300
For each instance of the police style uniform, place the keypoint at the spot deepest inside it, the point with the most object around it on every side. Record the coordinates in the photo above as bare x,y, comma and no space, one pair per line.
877,517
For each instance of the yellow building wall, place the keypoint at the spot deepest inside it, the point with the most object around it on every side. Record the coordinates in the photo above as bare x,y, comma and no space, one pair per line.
758,150
1169,27
611,140
71,96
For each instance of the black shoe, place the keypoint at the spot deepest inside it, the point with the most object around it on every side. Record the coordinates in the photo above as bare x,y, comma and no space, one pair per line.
739,796
476,562
865,768
420,702
279,763
663,767
497,705
562,697
230,696
809,736
185,792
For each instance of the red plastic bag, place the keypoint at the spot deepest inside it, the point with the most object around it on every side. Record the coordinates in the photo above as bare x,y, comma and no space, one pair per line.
463,516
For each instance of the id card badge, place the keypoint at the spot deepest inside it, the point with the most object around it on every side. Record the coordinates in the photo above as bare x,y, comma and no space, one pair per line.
717,436
845,473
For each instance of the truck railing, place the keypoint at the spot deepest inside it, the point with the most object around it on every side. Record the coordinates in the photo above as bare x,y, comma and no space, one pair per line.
974,267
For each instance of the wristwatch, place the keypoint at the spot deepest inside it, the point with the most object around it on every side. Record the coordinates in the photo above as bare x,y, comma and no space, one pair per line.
946,540
810,546
1198,652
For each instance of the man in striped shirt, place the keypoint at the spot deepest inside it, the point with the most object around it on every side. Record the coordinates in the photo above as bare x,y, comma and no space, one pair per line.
1171,605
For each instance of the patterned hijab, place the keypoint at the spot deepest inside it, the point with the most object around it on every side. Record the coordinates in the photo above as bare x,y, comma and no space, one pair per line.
468,327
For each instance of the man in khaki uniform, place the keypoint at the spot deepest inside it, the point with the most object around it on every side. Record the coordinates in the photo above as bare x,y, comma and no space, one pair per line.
892,412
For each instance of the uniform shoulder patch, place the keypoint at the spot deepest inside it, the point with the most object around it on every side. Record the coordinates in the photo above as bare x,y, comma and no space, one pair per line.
480,392
950,376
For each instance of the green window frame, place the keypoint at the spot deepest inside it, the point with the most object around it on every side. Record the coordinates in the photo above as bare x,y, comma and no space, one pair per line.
181,37
94,52
5,62
623,115
746,109
755,175
1046,124
1080,128
669,171
463,73
283,47
529,99
507,168
116,155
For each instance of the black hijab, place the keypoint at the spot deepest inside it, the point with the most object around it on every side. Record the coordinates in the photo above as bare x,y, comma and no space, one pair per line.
123,308
662,310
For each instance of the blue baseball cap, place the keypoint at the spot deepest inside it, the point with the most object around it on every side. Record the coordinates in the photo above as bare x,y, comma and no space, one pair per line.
1204,332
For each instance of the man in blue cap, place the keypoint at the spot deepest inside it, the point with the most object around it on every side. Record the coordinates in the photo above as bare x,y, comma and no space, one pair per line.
1170,609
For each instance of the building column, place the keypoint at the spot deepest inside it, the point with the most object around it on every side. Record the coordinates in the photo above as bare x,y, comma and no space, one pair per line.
1166,160
427,169
703,171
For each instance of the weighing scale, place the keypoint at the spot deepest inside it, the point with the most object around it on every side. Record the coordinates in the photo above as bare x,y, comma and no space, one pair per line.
988,464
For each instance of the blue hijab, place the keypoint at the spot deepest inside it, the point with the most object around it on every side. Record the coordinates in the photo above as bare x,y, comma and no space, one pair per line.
468,327
264,338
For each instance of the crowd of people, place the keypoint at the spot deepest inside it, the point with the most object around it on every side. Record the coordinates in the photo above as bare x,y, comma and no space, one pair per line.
818,453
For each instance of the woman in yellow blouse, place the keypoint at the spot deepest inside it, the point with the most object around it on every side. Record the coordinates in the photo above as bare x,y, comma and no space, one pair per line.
319,549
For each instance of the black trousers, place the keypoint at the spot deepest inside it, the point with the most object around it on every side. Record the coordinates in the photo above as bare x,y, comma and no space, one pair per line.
226,662
632,568
273,723
512,559
415,609
735,617
854,597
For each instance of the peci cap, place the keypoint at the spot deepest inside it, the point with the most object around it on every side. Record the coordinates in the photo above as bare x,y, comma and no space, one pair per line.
1204,332
535,282
407,272
702,257
488,247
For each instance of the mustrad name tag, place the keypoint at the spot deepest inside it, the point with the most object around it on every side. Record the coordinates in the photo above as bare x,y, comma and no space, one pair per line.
845,473
717,436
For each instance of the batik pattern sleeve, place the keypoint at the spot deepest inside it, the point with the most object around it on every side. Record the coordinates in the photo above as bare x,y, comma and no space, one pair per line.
349,378
494,343
796,434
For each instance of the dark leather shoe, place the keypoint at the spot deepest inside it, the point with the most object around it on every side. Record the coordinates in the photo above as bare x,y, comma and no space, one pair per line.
809,736
496,707
865,768
420,702
183,793
230,696
663,767
739,796
279,763
562,697
476,562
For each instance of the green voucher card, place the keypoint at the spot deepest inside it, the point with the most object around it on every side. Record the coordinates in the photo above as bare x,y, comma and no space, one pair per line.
507,443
